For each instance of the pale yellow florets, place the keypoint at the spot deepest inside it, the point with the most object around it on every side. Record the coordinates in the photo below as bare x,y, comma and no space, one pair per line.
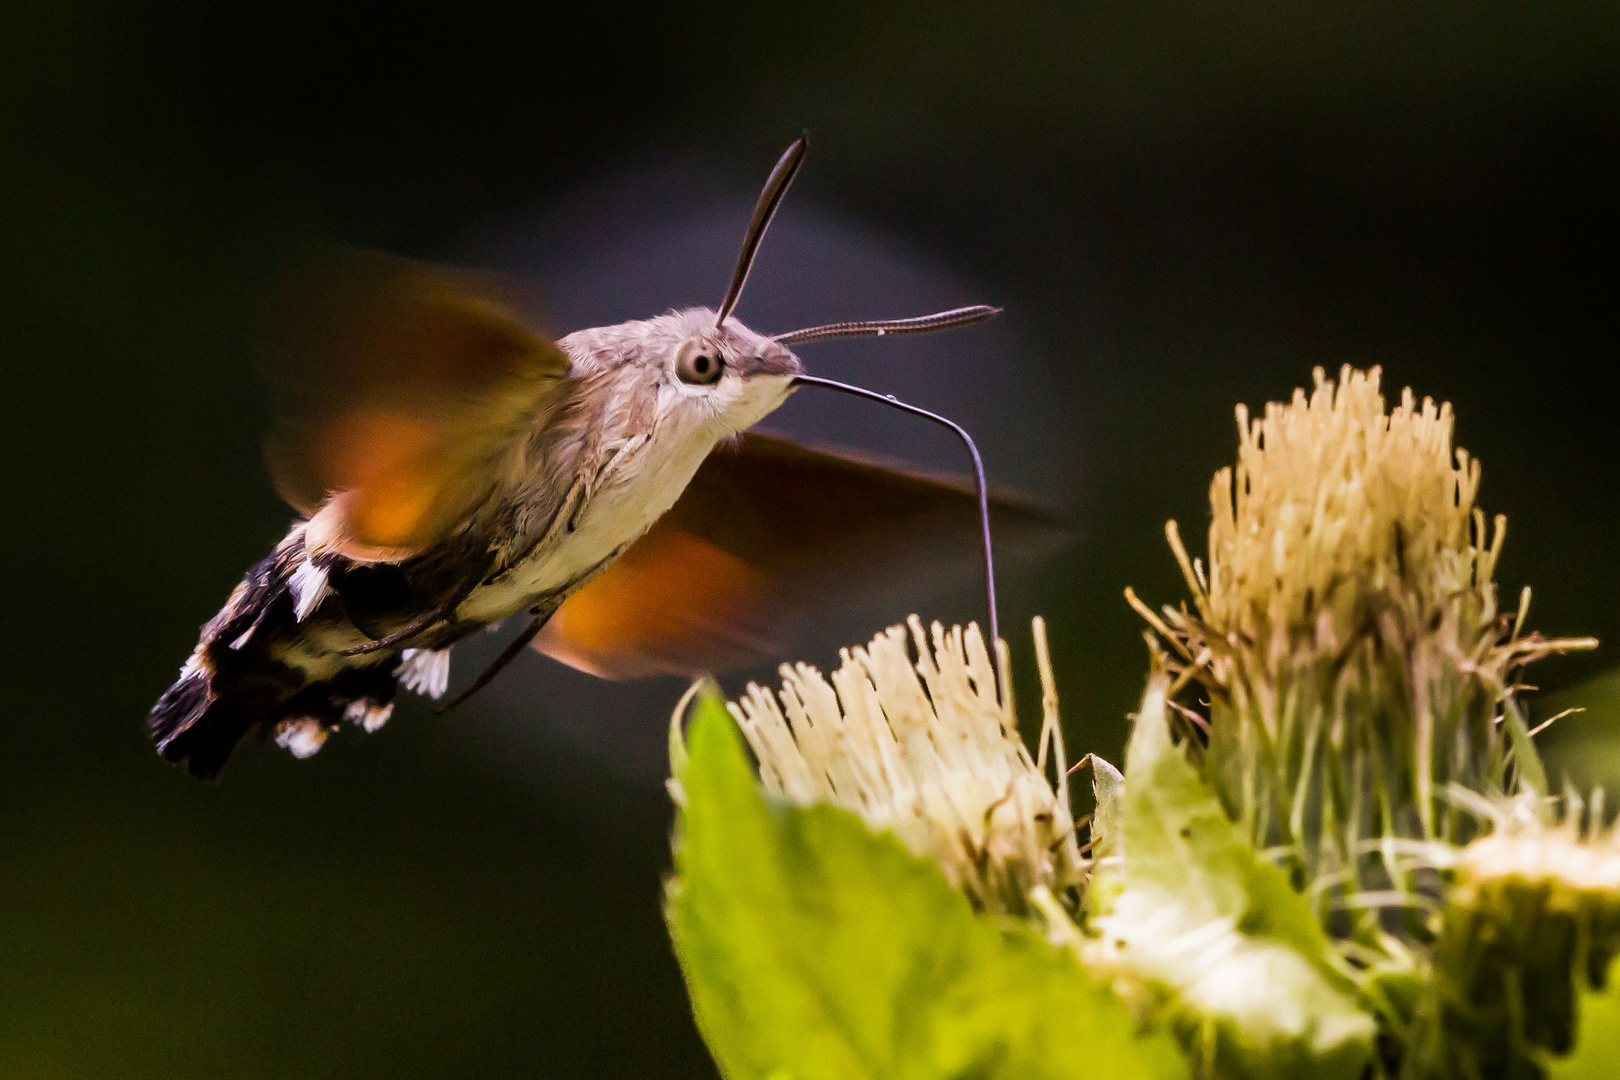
927,749
1570,863
1333,501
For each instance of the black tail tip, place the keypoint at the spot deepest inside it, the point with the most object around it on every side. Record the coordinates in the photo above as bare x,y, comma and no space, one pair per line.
193,729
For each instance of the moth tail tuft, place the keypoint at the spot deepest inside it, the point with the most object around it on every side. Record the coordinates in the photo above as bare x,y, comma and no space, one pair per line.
193,727
179,708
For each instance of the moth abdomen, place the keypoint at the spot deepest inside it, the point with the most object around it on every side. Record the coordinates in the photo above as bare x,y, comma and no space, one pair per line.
259,666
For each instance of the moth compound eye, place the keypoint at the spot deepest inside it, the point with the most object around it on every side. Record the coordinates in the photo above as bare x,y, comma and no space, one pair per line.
698,365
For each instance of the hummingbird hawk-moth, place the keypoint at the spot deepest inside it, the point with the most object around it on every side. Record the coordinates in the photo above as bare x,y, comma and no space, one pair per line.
454,467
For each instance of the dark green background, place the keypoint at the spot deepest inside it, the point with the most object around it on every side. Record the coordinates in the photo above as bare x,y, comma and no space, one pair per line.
1192,207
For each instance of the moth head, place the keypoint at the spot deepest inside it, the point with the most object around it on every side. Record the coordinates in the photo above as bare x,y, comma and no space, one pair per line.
726,370
683,372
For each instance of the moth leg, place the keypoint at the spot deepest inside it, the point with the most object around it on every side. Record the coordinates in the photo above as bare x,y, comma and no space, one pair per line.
416,625
404,633
540,614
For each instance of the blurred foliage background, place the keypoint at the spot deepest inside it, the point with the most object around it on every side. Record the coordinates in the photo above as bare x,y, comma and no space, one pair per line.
1182,208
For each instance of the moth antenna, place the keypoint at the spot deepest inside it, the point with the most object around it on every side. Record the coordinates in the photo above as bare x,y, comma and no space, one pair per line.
770,197
978,479
922,324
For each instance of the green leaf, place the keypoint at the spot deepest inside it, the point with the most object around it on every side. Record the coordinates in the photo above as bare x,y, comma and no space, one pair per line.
1532,774
1597,1038
1245,963
1108,788
817,949
1180,844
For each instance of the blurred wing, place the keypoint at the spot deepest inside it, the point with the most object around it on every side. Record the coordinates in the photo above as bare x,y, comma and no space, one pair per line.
763,532
399,389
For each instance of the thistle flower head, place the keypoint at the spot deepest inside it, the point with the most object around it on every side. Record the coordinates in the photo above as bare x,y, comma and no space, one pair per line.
1347,632
1532,916
928,749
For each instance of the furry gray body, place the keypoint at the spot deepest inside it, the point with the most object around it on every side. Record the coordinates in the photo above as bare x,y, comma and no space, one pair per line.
613,448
